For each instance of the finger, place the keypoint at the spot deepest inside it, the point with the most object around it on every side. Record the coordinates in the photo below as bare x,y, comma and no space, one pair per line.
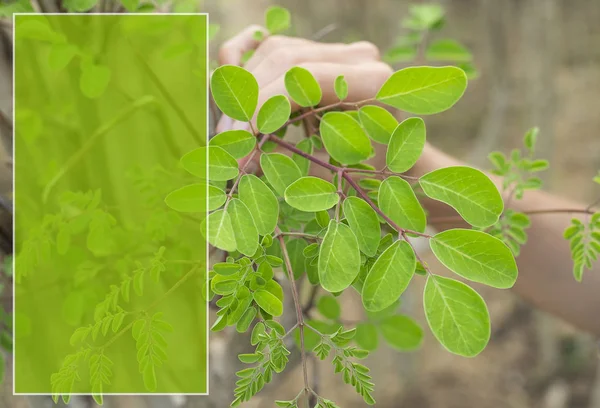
232,51
272,43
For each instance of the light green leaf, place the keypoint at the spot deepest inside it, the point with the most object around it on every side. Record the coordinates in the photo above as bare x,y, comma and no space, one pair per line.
79,5
280,170
366,336
339,258
597,178
400,53
190,198
277,19
423,90
389,276
530,138
302,87
261,202
344,138
220,231
94,80
149,376
378,122
221,165
398,201
341,87
268,302
406,145
303,164
364,222
246,234
476,256
216,197
311,194
457,316
401,332
195,162
235,92
424,16
273,114
329,307
468,191
60,55
448,50
238,143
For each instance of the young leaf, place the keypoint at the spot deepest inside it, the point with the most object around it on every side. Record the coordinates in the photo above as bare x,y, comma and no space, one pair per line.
273,114
468,191
329,307
389,276
401,332
311,194
246,234
339,258
302,87
220,231
277,19
423,90
261,202
221,165
189,198
397,200
364,222
268,302
476,256
235,92
457,316
303,164
344,138
366,336
238,143
530,138
280,170
406,145
448,50
341,87
216,197
378,122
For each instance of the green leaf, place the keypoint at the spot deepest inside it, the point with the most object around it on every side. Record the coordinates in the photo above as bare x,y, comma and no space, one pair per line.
226,268
246,234
389,276
378,122
280,170
268,302
597,178
329,307
221,165
340,87
468,191
457,316
364,223
273,114
302,87
401,332
424,16
149,376
476,256
344,138
79,5
235,92
295,249
406,145
261,202
238,143
63,240
60,55
423,90
530,138
448,50
216,197
366,336
220,231
194,162
311,194
94,80
303,164
400,53
339,258
189,198
398,201
277,19
130,5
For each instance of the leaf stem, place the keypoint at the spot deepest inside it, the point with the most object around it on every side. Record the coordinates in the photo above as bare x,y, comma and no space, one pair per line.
339,104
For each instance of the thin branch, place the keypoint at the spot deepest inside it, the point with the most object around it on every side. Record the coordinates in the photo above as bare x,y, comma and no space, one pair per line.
382,172
324,108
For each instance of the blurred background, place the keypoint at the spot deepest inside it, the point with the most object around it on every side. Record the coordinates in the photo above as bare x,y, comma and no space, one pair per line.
539,65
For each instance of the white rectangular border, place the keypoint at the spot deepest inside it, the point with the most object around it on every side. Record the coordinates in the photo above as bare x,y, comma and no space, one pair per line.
14,192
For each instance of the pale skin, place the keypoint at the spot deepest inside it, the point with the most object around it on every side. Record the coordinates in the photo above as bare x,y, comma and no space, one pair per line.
545,265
